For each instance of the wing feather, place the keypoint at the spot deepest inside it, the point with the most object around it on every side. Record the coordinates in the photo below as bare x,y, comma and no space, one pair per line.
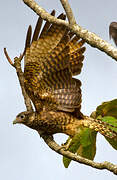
37,29
46,26
51,60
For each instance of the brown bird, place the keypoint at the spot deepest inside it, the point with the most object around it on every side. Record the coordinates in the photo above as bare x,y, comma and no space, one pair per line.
52,57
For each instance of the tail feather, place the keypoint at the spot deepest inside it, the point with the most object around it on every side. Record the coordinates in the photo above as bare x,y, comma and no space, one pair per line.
99,126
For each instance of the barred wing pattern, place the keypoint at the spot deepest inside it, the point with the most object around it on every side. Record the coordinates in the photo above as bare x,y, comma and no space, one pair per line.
51,59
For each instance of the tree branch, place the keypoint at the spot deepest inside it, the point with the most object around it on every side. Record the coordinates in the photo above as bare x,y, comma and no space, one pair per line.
54,146
89,37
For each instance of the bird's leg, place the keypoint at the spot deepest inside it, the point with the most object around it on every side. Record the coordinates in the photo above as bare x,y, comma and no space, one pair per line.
63,146
66,145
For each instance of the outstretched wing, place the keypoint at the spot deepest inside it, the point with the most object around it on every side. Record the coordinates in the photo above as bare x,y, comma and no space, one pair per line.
50,61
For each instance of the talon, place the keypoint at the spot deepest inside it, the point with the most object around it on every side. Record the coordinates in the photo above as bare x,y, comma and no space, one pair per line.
67,144
63,147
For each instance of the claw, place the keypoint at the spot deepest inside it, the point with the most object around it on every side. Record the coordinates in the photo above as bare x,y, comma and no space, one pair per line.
66,145
63,147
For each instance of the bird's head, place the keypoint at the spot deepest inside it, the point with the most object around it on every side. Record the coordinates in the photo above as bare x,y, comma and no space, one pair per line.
25,117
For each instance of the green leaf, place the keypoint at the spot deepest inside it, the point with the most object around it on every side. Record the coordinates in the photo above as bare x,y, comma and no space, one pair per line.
73,146
87,148
83,143
112,142
107,112
108,108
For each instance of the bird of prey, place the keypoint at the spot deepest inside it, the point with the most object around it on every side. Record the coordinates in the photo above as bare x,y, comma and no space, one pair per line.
52,57
113,31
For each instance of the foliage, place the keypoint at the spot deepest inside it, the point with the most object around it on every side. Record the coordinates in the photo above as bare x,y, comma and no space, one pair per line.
84,142
107,112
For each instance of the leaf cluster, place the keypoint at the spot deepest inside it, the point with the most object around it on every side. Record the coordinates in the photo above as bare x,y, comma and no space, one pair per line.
84,142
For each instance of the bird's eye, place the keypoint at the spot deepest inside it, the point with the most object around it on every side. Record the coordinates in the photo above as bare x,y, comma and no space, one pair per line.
22,116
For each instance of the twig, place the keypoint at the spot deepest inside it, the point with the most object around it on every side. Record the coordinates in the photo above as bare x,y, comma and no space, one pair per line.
54,146
8,58
19,72
90,38
17,66
68,11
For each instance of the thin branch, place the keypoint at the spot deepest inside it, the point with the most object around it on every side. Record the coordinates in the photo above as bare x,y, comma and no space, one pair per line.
68,11
89,37
8,58
17,66
54,146
43,13
17,63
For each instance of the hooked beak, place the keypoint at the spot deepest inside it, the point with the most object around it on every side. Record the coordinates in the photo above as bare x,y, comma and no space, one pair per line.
16,121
